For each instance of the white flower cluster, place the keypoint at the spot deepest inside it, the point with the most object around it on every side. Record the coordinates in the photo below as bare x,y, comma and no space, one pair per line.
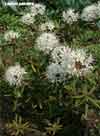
98,6
55,73
46,42
60,54
49,25
65,62
15,75
28,19
69,16
80,63
91,12
68,62
36,9
9,36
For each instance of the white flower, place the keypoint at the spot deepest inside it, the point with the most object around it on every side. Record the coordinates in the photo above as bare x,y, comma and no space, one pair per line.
79,63
15,75
60,53
67,62
9,36
98,6
47,26
70,16
46,42
28,19
55,73
90,13
74,62
38,9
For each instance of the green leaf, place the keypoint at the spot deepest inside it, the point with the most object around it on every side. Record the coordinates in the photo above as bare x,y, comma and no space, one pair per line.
94,102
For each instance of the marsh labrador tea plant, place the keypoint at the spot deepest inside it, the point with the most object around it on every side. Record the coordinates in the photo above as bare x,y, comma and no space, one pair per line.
50,68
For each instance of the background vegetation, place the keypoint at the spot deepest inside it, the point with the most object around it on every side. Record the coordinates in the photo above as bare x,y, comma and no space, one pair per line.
40,108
